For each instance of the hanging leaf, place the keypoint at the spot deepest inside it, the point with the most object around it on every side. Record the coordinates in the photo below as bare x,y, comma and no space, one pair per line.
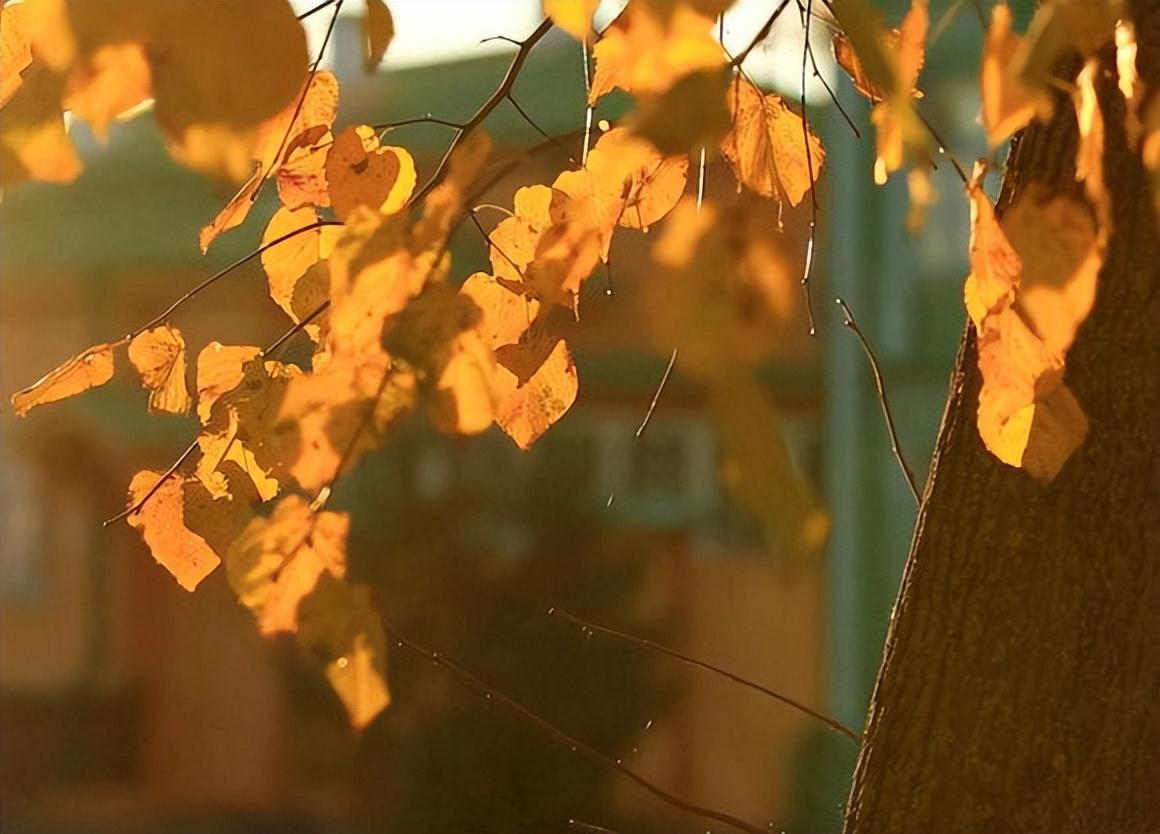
361,173
1009,102
573,16
159,357
15,50
220,369
88,369
34,144
293,285
162,522
766,146
378,32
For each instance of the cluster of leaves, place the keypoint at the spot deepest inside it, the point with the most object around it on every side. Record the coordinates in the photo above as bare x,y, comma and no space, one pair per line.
357,257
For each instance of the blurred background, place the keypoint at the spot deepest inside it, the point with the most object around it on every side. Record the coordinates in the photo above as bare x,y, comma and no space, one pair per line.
127,704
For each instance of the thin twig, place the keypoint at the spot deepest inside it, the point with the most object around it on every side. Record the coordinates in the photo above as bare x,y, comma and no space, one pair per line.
761,35
418,120
500,93
317,8
281,340
493,244
653,646
511,99
942,146
490,693
657,396
140,502
895,446
221,273
301,99
833,96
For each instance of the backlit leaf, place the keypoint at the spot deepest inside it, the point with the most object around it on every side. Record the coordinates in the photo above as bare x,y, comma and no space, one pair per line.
15,51
162,522
573,16
115,79
34,144
767,146
526,411
88,369
1009,102
288,262
220,368
378,32
361,173
159,357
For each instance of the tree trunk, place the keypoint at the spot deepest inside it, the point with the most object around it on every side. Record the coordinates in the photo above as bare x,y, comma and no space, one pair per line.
1020,683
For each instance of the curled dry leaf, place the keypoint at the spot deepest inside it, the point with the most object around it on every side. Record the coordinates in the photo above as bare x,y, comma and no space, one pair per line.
766,147
159,357
361,173
88,369
524,411
378,32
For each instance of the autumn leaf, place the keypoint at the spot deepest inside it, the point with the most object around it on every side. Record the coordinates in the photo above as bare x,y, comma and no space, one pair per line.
220,369
115,79
766,146
690,115
15,51
301,177
378,32
338,623
159,357
88,369
523,411
361,173
573,16
220,448
277,139
288,264
652,43
162,522
34,144
1009,102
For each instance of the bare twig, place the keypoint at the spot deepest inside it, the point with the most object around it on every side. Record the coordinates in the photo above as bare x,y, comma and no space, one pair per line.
761,35
140,502
418,120
222,273
553,732
301,325
317,8
809,264
511,99
592,628
942,146
895,446
657,396
833,96
505,86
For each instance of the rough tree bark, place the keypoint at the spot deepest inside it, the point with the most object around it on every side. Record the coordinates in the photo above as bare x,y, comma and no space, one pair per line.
1020,684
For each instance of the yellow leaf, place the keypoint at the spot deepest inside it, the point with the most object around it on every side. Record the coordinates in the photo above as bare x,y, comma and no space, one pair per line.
276,562
301,177
1009,102
159,357
360,173
34,144
766,146
115,79
524,411
288,263
220,369
650,45
378,32
995,265
162,522
15,51
88,369
317,112
338,622
573,16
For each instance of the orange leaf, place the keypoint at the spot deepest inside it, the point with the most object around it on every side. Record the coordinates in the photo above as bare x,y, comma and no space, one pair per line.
378,32
277,561
526,411
288,262
881,64
573,16
220,369
360,173
159,357
162,522
301,177
88,369
650,45
318,110
34,144
338,622
15,51
767,147
1009,102
115,79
